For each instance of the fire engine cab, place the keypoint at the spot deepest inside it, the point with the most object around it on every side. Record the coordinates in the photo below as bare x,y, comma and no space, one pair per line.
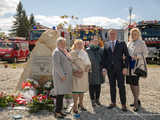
13,51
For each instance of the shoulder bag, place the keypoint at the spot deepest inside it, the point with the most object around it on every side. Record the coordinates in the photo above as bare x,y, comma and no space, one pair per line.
140,72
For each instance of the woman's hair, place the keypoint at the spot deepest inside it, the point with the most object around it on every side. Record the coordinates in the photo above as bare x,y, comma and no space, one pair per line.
76,41
137,30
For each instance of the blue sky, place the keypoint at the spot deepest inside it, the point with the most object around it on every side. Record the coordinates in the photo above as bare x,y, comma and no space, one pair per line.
105,13
146,9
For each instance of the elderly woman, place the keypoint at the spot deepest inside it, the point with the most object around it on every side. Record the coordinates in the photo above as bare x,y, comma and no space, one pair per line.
62,75
138,51
81,65
95,75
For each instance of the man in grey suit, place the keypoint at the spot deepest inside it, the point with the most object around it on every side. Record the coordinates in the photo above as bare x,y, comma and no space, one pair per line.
115,62
62,75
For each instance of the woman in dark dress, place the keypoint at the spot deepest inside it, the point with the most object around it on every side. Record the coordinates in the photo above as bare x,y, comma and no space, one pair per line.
138,51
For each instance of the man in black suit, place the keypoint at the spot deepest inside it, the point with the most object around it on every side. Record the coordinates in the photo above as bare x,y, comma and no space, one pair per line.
115,62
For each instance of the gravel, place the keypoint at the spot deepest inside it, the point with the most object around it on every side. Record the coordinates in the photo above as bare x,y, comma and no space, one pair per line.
150,98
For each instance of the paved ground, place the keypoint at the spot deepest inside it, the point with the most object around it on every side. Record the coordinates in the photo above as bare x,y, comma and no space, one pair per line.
150,97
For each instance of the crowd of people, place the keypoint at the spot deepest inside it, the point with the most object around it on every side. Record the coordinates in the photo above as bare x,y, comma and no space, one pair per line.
82,70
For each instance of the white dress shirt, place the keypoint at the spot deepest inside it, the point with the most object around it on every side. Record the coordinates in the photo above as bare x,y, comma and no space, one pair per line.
111,42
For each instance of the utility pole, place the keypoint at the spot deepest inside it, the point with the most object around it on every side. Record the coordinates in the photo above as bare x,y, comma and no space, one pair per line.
130,15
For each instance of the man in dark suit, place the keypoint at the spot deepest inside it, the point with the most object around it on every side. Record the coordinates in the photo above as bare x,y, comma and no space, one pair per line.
115,62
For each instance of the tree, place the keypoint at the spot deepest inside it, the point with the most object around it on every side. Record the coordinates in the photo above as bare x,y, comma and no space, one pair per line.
21,25
25,28
32,21
18,21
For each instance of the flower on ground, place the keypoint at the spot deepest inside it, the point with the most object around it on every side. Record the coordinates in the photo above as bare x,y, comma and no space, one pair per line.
21,100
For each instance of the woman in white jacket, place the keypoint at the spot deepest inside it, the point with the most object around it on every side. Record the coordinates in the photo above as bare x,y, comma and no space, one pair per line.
81,65
138,52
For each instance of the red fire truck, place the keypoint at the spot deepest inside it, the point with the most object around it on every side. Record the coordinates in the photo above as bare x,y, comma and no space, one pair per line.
13,51
34,35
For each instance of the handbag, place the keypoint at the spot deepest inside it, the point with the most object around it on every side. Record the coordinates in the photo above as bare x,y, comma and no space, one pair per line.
140,72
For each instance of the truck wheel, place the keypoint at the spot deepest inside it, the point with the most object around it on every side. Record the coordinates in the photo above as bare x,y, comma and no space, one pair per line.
158,61
14,60
26,59
9,61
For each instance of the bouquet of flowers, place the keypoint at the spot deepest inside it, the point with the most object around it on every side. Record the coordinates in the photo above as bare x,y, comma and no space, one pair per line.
41,102
6,100
48,85
46,89
20,100
28,96
36,96
30,84
29,89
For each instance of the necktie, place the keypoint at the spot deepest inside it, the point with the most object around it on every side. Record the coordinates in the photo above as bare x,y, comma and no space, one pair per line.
112,46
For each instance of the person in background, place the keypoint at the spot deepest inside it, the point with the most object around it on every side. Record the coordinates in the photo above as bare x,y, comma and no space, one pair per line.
81,65
62,75
95,75
116,67
137,50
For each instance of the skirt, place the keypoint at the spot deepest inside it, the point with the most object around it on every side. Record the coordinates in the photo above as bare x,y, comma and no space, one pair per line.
132,80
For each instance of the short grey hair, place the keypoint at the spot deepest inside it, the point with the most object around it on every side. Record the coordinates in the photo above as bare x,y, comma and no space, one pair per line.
109,31
59,40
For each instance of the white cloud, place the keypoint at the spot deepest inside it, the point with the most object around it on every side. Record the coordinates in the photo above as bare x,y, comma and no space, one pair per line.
104,22
8,6
99,21
5,24
50,21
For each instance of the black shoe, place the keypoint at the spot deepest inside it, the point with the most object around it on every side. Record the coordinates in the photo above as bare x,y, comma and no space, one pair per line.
58,115
139,103
132,105
111,106
135,109
98,103
81,108
124,108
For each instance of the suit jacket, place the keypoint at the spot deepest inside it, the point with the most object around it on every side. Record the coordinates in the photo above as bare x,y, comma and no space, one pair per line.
114,60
